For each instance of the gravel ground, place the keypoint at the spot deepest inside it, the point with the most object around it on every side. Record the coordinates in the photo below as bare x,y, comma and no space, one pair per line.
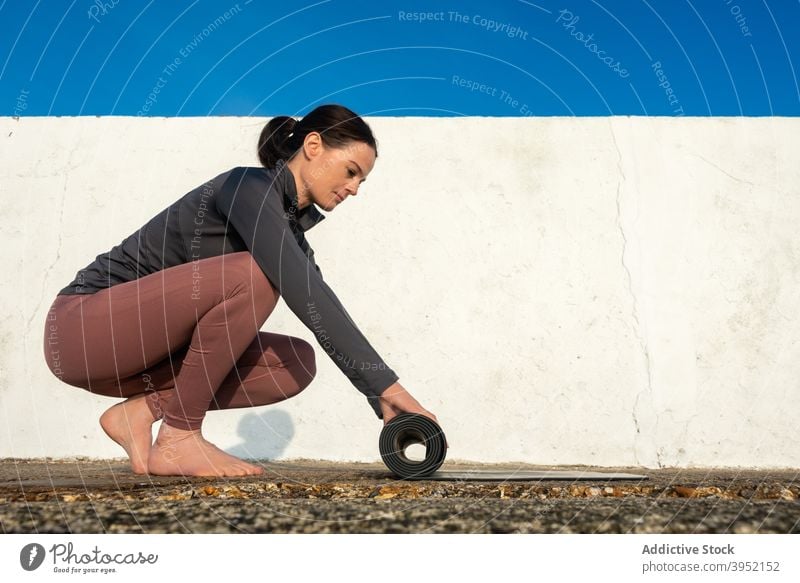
307,496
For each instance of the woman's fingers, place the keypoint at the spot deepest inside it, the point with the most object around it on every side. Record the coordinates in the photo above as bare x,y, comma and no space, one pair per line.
397,400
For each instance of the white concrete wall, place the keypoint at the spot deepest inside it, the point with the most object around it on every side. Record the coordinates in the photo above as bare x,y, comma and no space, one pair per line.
600,291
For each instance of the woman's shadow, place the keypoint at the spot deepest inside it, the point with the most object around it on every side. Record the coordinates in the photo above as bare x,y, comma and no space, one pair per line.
264,436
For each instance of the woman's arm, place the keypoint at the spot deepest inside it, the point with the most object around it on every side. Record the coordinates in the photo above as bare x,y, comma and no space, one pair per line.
254,208
310,254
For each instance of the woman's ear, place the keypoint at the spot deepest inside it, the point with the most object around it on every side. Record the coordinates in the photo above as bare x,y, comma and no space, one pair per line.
312,145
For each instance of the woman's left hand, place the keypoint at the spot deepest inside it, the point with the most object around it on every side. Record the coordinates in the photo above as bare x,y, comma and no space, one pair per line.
389,412
396,399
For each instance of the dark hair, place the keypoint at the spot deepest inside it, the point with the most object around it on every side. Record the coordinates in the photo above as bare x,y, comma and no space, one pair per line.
337,125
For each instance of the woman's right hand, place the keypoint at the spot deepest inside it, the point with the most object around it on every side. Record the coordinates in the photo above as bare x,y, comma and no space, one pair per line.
395,400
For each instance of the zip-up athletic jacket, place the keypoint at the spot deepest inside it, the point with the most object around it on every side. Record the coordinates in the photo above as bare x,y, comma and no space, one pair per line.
248,209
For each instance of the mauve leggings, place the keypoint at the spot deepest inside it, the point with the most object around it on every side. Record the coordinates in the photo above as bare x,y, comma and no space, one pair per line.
187,336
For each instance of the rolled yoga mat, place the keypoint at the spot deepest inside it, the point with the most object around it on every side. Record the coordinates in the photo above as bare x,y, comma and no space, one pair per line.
410,428
404,430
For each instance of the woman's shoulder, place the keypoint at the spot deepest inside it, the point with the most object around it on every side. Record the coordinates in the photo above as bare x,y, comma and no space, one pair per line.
246,181
245,174
254,176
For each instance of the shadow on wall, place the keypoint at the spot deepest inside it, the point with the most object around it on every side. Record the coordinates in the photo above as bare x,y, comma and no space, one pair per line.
263,436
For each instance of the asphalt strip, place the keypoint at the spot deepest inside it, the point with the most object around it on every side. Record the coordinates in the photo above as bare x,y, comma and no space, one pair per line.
492,475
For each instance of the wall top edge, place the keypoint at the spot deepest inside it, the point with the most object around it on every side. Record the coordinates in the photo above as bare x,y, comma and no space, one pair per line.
493,118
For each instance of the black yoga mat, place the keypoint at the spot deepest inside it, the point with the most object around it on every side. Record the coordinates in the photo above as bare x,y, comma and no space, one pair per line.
410,428
407,429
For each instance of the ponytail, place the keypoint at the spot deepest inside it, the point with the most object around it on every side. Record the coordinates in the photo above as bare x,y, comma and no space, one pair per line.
272,144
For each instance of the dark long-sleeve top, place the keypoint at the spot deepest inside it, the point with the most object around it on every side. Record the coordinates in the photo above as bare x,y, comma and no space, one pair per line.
248,209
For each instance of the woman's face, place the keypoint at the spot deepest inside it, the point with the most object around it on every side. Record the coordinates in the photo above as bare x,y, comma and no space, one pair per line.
329,175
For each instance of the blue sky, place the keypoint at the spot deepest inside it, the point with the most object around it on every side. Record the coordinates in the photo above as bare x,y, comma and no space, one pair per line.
407,58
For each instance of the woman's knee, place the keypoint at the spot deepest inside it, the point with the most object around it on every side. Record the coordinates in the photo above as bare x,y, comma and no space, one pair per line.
306,362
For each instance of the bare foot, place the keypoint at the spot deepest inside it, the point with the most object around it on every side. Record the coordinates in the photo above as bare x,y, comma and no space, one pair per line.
177,452
129,424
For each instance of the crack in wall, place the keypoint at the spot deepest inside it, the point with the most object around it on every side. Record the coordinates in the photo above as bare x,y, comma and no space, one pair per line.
729,175
58,255
642,341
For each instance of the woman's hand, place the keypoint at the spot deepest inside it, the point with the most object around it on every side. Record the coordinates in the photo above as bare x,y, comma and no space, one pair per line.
395,400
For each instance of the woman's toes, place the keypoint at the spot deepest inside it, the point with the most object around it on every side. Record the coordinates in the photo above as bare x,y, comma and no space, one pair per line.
188,453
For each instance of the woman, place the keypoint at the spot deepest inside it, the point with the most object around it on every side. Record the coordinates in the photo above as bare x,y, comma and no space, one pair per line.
170,318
